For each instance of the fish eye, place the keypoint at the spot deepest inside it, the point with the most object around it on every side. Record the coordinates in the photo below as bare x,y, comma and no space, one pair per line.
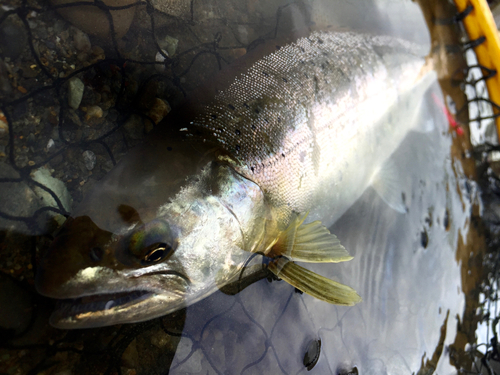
150,243
156,252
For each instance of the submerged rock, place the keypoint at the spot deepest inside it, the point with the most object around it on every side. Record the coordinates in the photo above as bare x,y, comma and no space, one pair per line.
18,203
81,40
90,159
93,20
75,92
13,38
44,177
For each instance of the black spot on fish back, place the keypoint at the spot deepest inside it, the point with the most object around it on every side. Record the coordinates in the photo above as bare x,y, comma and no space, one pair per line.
424,238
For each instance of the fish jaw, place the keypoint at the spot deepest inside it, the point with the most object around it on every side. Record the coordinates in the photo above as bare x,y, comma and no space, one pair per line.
110,290
209,234
115,308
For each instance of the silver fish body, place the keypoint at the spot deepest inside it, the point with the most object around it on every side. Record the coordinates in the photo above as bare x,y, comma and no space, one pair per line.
295,128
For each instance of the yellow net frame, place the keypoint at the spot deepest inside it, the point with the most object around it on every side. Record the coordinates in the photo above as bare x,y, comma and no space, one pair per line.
480,23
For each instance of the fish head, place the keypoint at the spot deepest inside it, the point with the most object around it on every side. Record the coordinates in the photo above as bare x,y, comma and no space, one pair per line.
119,260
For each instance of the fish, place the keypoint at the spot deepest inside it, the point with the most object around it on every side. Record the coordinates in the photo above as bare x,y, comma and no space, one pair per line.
256,164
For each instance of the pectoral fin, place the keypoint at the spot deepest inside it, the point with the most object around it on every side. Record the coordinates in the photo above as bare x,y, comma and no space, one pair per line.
313,284
312,243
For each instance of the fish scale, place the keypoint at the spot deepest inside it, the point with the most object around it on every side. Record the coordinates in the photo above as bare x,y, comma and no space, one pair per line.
287,119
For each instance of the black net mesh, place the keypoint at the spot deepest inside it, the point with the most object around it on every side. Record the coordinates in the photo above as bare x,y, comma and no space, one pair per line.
71,106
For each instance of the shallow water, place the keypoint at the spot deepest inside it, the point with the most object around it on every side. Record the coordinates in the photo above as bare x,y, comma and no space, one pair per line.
414,271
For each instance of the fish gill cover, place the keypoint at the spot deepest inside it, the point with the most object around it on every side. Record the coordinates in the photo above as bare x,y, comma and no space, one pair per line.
73,105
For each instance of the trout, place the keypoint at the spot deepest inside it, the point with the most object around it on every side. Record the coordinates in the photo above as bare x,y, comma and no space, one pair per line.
261,160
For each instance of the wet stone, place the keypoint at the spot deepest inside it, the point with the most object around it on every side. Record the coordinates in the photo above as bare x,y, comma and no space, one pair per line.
50,144
44,177
89,159
160,58
159,110
134,127
81,40
160,339
75,92
31,140
94,112
13,38
169,44
94,21
16,199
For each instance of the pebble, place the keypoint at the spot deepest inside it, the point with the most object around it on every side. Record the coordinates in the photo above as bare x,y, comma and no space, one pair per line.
160,339
50,144
169,44
243,34
159,110
16,199
93,112
13,38
92,20
31,140
134,127
75,92
159,58
43,176
90,159
81,40
98,52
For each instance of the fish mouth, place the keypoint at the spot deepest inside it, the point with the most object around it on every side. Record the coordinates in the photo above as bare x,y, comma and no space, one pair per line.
102,309
100,302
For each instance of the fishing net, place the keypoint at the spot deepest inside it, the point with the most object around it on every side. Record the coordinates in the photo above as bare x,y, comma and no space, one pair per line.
72,105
